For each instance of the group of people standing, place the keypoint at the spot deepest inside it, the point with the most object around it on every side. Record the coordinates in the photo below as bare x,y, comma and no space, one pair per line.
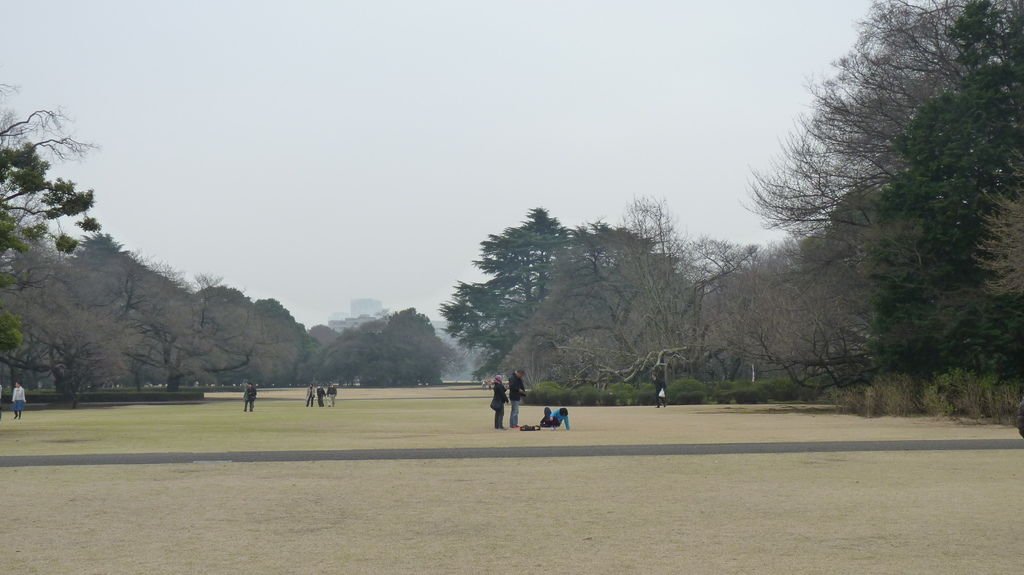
17,400
313,393
319,393
516,391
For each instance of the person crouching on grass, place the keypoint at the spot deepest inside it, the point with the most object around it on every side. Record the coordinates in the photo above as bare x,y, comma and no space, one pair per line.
553,419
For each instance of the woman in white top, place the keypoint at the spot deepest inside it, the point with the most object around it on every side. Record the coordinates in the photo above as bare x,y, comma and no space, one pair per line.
18,398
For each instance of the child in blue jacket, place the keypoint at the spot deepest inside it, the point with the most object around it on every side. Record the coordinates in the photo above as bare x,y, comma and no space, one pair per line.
554,419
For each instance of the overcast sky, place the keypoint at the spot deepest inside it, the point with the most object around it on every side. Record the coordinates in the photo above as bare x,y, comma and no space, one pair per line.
316,152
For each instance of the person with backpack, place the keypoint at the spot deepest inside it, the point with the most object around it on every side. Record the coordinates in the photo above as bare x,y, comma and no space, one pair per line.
250,397
498,403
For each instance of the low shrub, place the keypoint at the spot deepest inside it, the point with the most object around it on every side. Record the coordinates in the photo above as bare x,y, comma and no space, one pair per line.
623,393
545,393
588,395
954,394
109,396
782,390
683,397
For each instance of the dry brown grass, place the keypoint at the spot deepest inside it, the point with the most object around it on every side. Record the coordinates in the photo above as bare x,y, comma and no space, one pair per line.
383,419
853,513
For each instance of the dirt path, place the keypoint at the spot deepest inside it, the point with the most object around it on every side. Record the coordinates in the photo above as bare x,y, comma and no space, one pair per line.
512,452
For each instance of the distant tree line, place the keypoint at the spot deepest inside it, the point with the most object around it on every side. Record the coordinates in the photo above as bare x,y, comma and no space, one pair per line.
83,314
900,191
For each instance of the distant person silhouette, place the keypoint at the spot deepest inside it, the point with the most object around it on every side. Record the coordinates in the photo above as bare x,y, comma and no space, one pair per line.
250,397
18,399
310,395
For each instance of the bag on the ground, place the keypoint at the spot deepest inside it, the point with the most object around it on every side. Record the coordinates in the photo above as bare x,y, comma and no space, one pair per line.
529,428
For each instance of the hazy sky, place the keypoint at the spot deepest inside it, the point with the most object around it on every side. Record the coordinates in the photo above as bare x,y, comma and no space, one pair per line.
316,152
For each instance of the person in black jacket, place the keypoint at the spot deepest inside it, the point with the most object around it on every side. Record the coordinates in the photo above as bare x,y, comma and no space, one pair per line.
498,403
660,389
250,398
516,392
320,393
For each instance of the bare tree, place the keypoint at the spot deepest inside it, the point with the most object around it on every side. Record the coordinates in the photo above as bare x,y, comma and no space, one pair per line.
1005,247
841,154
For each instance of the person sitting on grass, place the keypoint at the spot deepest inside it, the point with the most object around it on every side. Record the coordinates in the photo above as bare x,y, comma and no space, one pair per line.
554,419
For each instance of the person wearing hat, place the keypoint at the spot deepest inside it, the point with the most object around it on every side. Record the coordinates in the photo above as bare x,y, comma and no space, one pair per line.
498,402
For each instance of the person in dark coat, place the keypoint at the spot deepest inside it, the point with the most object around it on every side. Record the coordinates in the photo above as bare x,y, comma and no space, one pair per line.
332,393
310,395
320,393
498,403
660,388
516,393
250,397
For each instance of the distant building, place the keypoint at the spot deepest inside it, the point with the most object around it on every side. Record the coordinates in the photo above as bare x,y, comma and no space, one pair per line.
363,311
366,306
340,325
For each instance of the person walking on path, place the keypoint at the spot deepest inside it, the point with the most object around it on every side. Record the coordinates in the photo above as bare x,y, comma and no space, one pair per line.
498,403
250,398
660,391
320,393
310,394
18,399
516,393
332,393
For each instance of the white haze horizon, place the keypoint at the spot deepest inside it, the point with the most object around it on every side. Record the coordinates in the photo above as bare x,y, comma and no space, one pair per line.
320,152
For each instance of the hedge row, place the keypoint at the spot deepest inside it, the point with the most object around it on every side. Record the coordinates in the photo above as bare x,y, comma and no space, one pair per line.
958,394
118,396
680,392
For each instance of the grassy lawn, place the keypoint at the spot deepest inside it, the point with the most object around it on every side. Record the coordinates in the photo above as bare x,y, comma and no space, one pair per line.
854,513
849,513
433,417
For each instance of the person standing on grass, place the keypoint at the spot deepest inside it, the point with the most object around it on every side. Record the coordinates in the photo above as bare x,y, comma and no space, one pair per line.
310,394
18,400
498,403
660,391
320,393
250,398
332,393
516,393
